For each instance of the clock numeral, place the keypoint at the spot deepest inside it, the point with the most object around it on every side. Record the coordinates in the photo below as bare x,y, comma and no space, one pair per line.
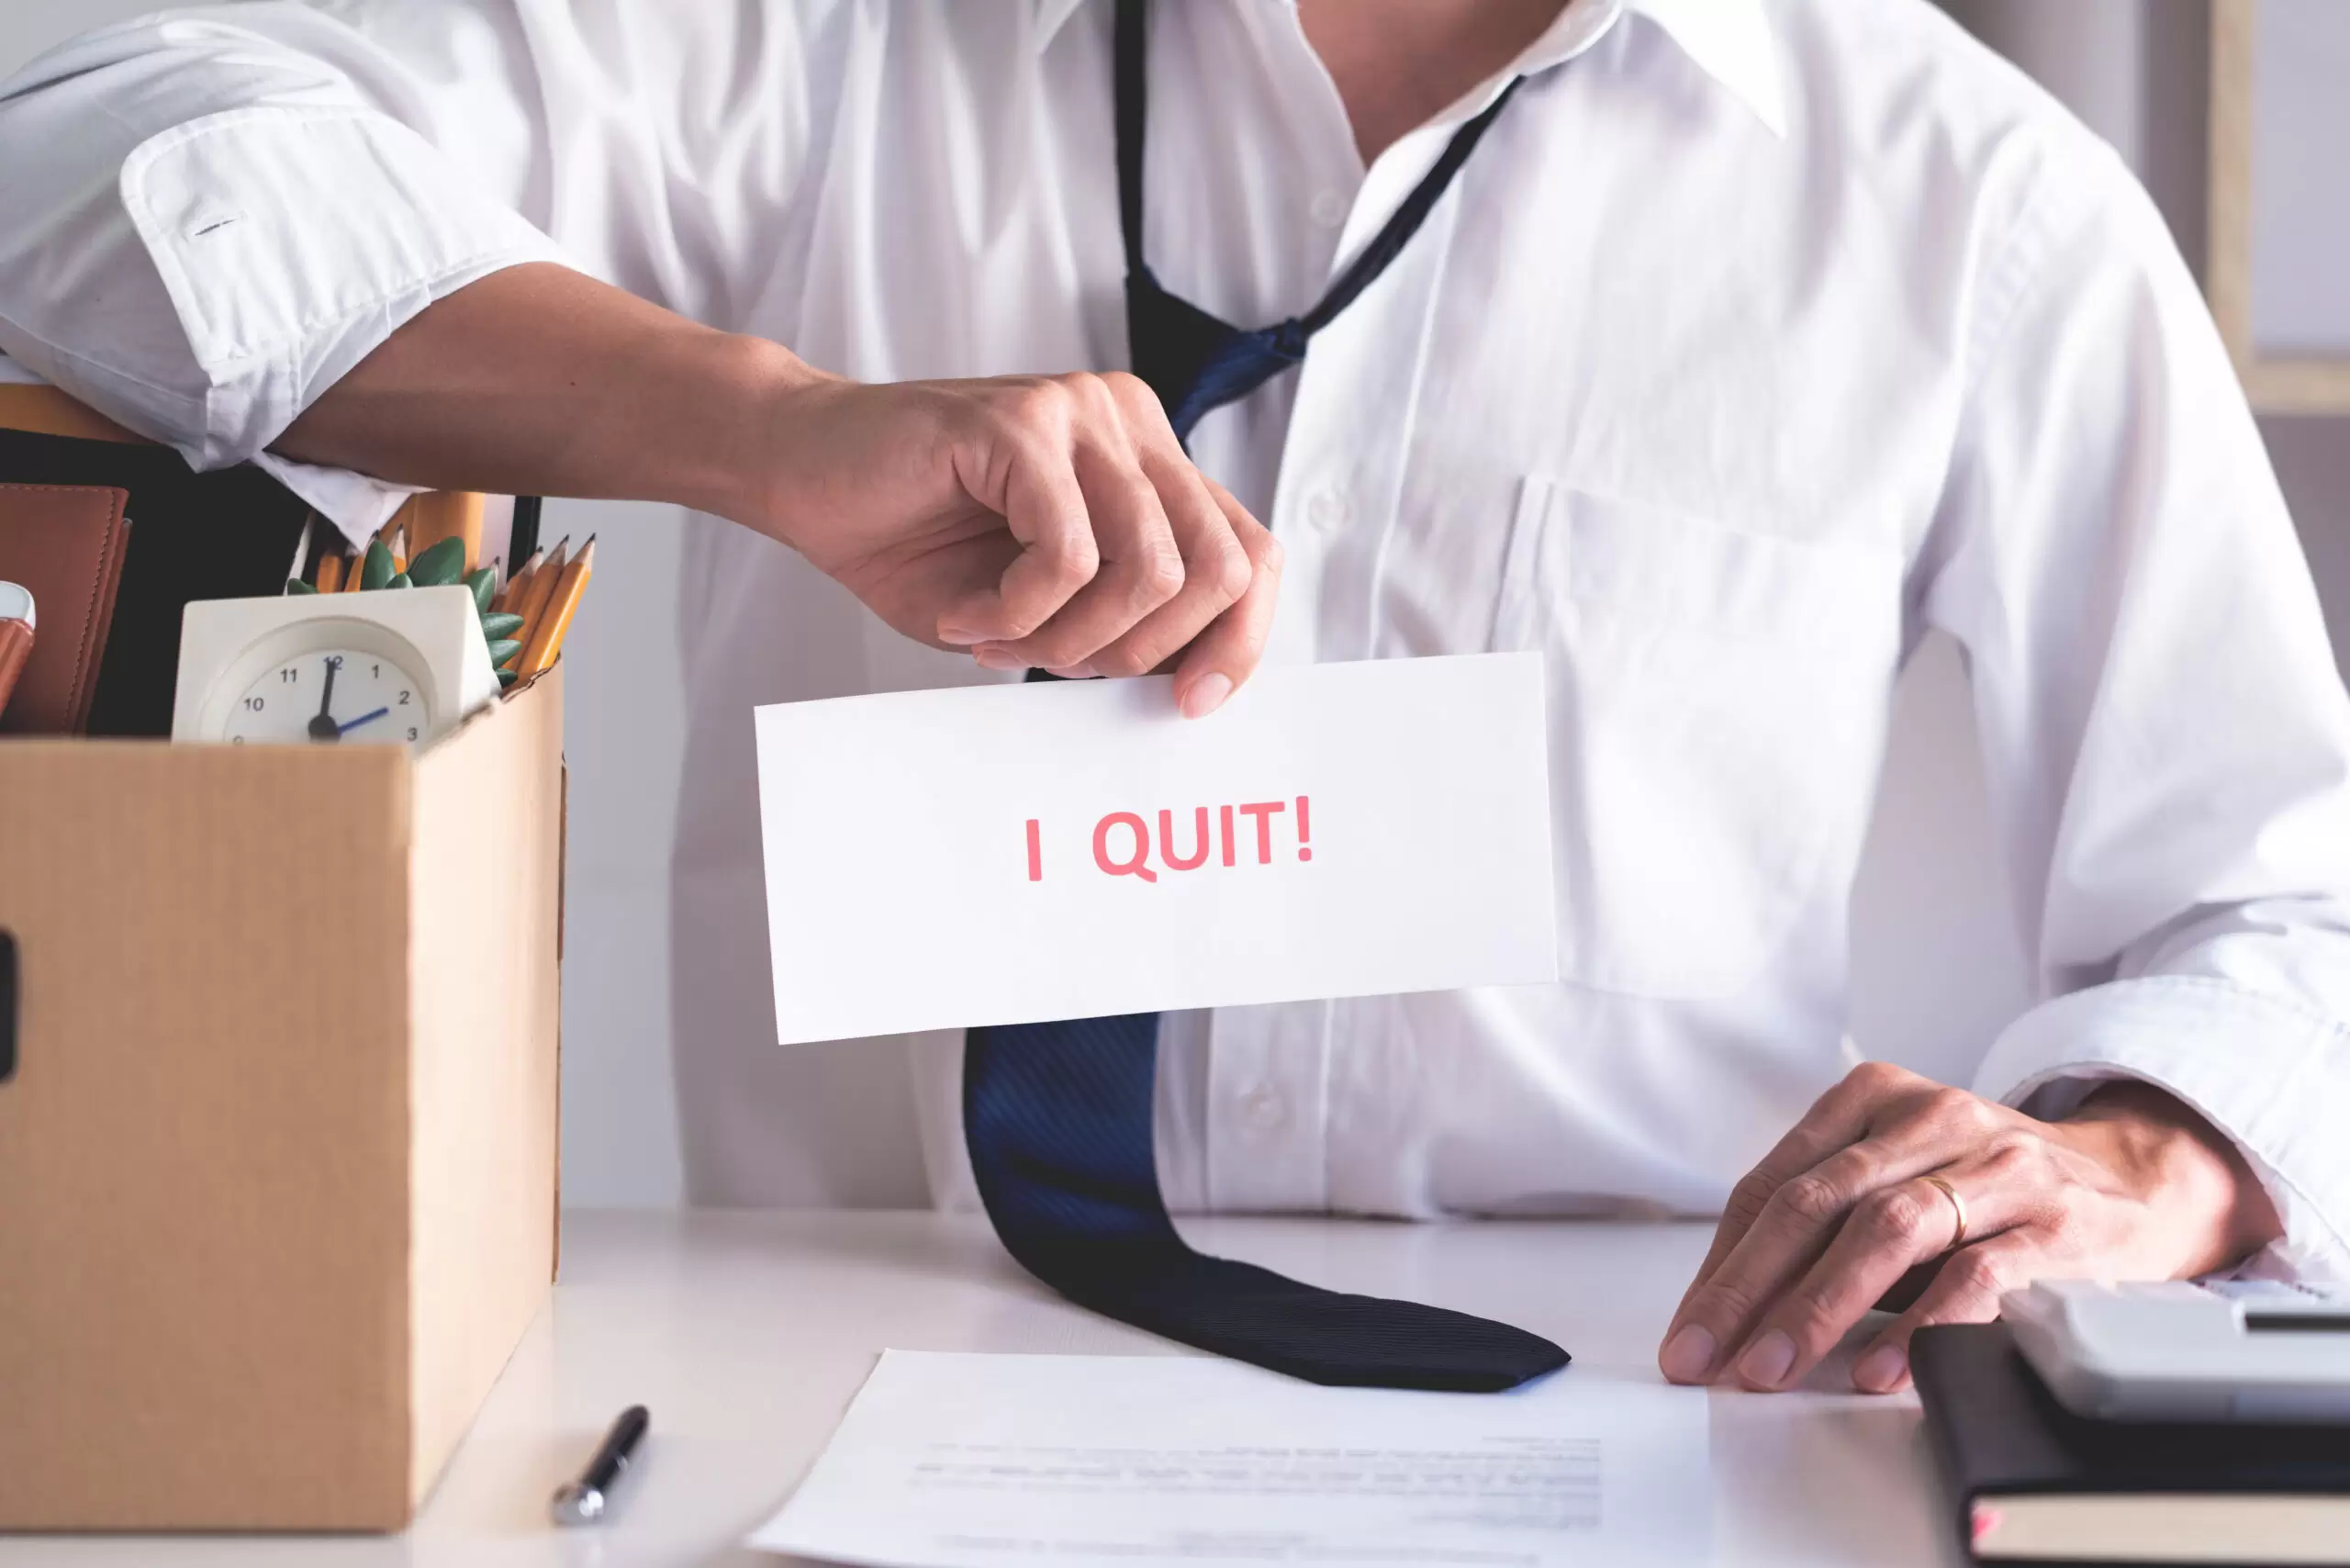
288,676
236,739
374,672
404,698
253,704
411,731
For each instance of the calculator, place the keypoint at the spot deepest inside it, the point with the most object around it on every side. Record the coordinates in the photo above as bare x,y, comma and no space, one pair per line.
2254,1350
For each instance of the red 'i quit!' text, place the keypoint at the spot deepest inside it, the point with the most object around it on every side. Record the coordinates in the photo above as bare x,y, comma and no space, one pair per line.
1249,833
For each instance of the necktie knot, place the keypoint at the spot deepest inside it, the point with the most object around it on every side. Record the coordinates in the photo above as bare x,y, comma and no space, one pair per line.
1196,361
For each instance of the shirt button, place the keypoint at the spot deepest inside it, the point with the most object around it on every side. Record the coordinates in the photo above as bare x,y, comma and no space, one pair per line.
1326,510
1265,1109
1330,209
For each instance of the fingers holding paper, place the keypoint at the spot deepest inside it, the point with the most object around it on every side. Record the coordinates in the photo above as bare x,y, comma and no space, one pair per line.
1221,657
1171,540
1892,1179
1050,522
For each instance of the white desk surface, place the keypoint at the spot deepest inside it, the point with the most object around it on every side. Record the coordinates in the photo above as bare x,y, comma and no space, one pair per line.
747,1333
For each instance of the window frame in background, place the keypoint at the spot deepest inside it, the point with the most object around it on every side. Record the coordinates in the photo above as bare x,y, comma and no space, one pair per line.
2275,382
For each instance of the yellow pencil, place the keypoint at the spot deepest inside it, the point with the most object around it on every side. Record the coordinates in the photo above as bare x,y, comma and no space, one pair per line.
531,602
400,550
330,573
555,620
510,590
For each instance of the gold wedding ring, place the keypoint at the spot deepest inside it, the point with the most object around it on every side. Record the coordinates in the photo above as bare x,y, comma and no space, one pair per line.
1956,1202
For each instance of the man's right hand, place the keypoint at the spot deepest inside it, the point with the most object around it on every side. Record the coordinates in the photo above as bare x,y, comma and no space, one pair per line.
1038,520
1035,520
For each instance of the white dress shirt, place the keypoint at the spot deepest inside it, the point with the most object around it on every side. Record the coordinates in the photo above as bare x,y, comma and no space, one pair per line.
1755,340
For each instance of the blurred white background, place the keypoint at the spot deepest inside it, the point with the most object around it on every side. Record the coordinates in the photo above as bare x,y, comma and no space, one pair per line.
1936,968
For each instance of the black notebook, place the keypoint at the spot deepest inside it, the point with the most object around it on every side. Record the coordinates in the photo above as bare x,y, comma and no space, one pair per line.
2035,1484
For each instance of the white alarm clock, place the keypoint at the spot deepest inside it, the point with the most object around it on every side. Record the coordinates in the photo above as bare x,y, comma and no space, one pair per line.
399,666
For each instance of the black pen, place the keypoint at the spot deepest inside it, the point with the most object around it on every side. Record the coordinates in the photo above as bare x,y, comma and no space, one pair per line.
582,1502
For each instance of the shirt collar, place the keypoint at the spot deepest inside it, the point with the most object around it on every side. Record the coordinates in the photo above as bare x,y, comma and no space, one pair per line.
1729,40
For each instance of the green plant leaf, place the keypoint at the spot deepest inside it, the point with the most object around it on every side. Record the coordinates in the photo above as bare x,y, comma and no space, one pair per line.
440,565
296,585
399,580
484,582
503,649
504,623
376,572
507,677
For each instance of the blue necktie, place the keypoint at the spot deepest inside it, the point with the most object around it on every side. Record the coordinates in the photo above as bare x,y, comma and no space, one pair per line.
1058,1115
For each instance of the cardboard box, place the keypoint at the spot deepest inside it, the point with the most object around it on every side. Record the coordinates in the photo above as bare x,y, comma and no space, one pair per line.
277,1156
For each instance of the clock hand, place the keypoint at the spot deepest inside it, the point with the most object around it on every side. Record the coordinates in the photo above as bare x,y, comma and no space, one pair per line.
363,718
323,727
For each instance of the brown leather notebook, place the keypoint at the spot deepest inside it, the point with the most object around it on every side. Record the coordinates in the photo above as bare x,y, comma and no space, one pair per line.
65,542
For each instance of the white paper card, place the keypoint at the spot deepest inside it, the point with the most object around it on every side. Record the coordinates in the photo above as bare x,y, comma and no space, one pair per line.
1011,854
1169,1462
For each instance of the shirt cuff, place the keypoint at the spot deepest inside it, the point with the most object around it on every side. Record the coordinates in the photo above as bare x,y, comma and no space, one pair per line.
292,241
2274,1076
357,505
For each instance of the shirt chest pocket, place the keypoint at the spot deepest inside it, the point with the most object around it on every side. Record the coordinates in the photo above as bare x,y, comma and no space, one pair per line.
1717,704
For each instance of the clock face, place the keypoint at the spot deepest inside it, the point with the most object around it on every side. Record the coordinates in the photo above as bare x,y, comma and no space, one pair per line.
332,696
316,669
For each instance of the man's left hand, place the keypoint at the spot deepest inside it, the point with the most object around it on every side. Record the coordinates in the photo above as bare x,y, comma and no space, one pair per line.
2133,1186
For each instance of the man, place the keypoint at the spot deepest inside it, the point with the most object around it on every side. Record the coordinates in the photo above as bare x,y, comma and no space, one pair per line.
1745,341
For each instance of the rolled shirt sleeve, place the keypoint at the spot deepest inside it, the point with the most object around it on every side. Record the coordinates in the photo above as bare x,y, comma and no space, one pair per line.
212,225
215,213
2167,736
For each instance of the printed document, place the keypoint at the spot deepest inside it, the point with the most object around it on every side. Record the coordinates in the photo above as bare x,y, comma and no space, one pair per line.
1012,853
1171,1461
